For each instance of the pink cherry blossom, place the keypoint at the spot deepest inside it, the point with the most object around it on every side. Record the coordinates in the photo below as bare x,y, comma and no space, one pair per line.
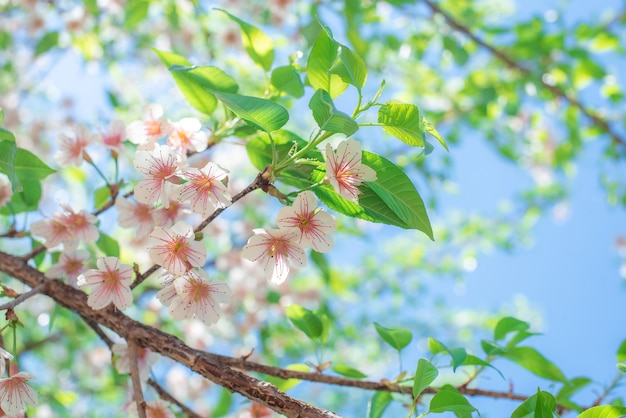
72,147
186,136
175,249
197,297
276,249
135,215
6,190
168,216
345,171
71,264
54,231
145,359
15,394
204,189
150,129
114,137
81,224
314,224
110,282
158,166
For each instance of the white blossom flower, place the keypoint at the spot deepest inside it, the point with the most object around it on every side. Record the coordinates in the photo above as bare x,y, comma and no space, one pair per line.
110,282
345,171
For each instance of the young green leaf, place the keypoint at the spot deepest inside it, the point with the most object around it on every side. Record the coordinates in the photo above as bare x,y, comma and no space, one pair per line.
321,59
458,354
507,325
450,400
425,374
404,121
534,362
223,405
347,371
471,360
287,79
136,12
350,67
621,352
196,95
258,45
604,411
491,348
305,320
395,337
541,405
429,128
260,113
6,135
377,405
47,42
108,246
286,384
207,77
328,117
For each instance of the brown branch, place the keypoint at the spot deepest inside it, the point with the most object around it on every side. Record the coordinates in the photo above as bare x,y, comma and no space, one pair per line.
165,395
21,298
511,63
163,343
134,375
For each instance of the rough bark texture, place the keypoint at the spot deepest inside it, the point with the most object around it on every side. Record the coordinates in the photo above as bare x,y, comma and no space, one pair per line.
165,344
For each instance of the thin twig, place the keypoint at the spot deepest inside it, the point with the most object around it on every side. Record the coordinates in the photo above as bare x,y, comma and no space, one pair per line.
134,374
165,395
511,63
21,298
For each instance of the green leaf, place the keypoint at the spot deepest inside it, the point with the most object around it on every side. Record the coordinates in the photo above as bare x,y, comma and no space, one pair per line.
108,245
259,150
8,150
541,405
471,360
257,44
347,371
425,374
491,348
395,337
604,411
621,367
321,59
429,128
25,201
450,401
192,89
21,165
136,12
321,262
207,77
328,117
507,325
518,337
101,196
377,405
223,405
47,42
534,362
287,79
350,67
621,352
404,121
458,354
305,320
391,199
571,388
260,113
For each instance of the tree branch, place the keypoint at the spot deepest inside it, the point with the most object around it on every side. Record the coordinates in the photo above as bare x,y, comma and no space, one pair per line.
511,63
21,298
134,375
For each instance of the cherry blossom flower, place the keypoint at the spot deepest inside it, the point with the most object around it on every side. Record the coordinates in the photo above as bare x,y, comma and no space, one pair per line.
186,136
135,215
81,224
195,296
345,171
111,283
114,137
15,394
150,129
175,249
314,224
54,231
168,216
154,409
204,189
72,147
71,264
4,355
275,249
158,166
6,190
145,359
